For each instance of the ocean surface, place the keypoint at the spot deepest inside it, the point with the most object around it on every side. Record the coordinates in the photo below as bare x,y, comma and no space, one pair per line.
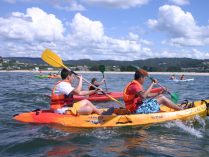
22,92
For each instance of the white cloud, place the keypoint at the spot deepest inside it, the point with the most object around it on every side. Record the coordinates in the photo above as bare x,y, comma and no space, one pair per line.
67,5
84,28
34,25
198,54
88,38
179,2
133,36
124,4
77,5
28,34
188,53
180,26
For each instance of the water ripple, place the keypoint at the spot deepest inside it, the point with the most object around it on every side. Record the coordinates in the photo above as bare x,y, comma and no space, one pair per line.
22,92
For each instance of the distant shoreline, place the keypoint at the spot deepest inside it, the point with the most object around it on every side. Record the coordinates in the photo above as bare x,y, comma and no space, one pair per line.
115,72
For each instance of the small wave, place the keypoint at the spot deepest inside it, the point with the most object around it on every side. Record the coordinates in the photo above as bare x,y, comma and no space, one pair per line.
109,133
200,120
189,128
103,134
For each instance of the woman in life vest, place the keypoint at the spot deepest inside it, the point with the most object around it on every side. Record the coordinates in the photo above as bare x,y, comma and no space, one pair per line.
138,100
62,96
96,83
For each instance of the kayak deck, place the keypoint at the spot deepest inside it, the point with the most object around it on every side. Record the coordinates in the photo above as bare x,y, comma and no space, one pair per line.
98,121
99,97
102,97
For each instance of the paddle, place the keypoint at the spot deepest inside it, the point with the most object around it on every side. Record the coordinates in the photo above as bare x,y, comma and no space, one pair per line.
174,96
54,60
102,69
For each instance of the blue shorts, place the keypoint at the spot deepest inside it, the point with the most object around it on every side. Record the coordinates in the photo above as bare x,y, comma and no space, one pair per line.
149,106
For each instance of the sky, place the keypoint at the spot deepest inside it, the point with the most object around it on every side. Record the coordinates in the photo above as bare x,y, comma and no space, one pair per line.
123,30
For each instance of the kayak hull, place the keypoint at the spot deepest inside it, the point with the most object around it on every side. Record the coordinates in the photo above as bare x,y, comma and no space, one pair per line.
100,121
103,97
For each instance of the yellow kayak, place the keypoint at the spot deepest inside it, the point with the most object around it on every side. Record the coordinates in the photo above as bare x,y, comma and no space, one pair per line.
114,120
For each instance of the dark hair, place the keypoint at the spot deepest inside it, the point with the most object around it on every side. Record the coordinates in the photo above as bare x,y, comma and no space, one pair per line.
93,80
65,73
140,73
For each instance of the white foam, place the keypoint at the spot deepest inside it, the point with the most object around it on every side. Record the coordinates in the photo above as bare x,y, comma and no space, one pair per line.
200,120
188,129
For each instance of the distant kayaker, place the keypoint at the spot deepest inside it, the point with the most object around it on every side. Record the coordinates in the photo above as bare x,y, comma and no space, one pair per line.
62,96
182,77
173,77
138,100
40,73
96,83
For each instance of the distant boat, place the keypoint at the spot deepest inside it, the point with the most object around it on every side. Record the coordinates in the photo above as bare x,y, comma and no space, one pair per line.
184,80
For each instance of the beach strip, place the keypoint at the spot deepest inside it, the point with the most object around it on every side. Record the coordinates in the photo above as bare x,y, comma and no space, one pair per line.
114,72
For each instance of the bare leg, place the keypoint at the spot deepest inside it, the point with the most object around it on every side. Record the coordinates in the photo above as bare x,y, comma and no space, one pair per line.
85,110
161,99
86,107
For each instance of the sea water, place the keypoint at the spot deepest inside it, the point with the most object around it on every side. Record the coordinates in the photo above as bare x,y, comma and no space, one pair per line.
22,92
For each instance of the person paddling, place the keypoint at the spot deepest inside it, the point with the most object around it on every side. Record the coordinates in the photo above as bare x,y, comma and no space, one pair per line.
182,77
96,83
138,100
62,101
173,77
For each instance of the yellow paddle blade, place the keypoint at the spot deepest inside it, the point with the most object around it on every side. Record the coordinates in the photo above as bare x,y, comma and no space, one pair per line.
52,58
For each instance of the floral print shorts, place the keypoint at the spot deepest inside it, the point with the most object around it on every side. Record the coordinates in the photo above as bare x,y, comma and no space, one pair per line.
149,106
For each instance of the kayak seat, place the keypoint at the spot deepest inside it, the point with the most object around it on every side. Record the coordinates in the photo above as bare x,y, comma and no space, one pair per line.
121,111
109,111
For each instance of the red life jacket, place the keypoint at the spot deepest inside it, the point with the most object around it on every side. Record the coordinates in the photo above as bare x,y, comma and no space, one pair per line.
59,101
131,101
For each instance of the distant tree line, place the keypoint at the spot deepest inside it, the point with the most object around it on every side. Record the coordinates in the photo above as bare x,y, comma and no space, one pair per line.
152,65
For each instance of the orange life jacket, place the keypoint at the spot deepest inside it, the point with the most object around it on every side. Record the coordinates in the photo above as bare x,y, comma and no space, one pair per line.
59,101
131,101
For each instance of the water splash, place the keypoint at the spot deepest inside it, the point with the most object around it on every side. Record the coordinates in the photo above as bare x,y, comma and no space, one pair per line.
187,127
200,120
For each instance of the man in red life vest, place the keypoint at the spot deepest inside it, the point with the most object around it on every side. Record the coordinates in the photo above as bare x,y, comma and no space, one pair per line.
138,100
62,96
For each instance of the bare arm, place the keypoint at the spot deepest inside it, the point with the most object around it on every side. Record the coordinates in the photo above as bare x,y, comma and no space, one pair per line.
77,90
83,93
145,94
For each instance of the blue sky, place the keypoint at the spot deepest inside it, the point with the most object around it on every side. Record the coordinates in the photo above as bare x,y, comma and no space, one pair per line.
105,29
